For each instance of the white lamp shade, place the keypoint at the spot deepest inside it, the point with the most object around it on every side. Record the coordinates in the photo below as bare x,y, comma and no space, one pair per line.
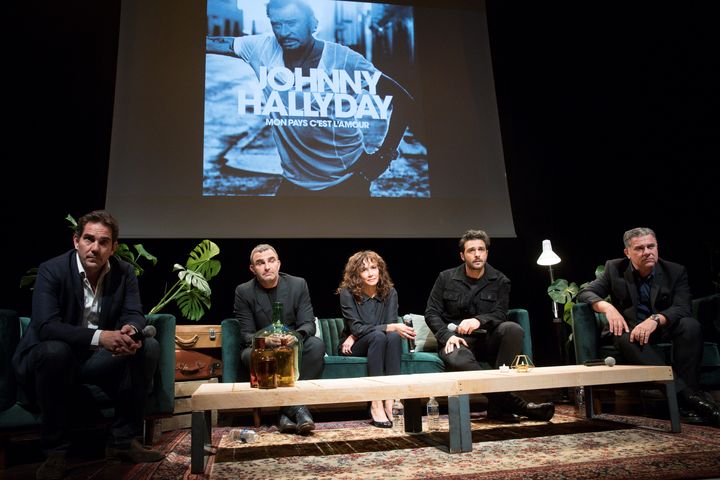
547,257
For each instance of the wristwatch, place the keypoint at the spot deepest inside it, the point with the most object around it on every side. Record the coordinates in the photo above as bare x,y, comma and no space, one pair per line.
656,317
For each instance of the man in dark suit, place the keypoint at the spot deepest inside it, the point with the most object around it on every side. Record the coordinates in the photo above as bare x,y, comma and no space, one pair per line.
253,309
85,307
650,303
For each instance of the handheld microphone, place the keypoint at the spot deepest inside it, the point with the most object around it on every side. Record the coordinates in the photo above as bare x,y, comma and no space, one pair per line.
407,320
148,332
609,361
453,328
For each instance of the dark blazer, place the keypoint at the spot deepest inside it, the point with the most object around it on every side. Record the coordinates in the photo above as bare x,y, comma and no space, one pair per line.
454,298
253,307
669,295
58,302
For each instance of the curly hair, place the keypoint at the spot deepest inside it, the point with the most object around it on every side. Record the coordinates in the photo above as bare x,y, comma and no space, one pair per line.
351,276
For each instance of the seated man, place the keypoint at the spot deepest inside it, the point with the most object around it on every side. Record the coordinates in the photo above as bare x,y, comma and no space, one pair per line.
467,312
253,309
85,309
650,303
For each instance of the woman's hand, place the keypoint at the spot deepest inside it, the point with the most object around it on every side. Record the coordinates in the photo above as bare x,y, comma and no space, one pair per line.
346,347
405,331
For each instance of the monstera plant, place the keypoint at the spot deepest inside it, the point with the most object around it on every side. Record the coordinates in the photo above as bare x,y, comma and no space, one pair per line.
564,293
191,292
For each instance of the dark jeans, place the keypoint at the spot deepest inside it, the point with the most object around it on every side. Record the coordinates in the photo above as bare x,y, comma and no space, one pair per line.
687,345
498,347
383,351
54,371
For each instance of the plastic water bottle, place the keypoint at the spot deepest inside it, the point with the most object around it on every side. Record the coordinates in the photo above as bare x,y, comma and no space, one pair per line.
580,398
398,416
245,435
433,415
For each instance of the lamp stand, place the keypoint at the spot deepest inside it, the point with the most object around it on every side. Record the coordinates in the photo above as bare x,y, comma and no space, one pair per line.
558,325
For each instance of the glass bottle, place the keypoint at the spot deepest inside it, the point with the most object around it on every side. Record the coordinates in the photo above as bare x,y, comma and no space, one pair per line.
433,415
284,344
266,371
258,347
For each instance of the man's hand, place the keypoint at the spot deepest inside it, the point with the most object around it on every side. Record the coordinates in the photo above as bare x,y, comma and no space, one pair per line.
372,165
616,322
346,347
453,343
641,333
118,342
468,326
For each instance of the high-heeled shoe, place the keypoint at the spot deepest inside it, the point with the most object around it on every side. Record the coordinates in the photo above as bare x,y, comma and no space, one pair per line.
385,424
379,423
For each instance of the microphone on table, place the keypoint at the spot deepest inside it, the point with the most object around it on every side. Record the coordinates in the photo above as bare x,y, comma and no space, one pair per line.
148,332
453,328
609,361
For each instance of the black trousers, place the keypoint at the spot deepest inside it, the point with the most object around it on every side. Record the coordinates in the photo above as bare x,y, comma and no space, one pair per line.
687,345
498,347
311,363
54,372
383,351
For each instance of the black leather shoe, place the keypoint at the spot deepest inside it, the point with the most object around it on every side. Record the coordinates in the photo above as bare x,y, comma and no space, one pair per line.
285,425
703,405
304,420
539,411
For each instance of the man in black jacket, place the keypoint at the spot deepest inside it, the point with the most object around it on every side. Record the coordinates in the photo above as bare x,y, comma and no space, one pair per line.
85,307
650,303
253,309
467,312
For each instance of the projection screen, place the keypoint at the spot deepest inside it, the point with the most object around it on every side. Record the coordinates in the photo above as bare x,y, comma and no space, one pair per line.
335,120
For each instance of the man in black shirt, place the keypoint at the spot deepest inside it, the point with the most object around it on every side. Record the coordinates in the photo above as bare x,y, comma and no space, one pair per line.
253,309
467,312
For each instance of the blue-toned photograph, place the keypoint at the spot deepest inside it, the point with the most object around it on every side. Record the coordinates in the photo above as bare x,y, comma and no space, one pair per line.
311,98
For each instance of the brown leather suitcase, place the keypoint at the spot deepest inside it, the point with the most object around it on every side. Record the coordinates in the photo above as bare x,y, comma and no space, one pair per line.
197,364
198,336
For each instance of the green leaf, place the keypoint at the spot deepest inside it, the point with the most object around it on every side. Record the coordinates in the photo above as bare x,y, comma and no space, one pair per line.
193,303
194,280
28,280
599,271
72,221
567,313
201,259
561,292
145,254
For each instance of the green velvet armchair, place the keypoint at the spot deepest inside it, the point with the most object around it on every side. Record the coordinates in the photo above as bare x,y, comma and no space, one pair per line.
16,416
589,342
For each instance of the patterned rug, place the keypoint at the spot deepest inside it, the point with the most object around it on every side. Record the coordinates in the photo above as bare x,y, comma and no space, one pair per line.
566,448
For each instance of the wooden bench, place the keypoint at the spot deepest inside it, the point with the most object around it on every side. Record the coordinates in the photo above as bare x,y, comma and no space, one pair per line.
457,386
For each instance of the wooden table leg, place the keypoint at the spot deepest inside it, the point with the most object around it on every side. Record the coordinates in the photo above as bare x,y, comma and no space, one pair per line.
460,428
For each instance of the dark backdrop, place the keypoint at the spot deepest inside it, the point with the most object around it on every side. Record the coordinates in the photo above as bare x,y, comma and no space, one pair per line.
608,114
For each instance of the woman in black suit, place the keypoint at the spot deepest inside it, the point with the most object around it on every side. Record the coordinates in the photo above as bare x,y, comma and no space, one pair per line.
369,305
